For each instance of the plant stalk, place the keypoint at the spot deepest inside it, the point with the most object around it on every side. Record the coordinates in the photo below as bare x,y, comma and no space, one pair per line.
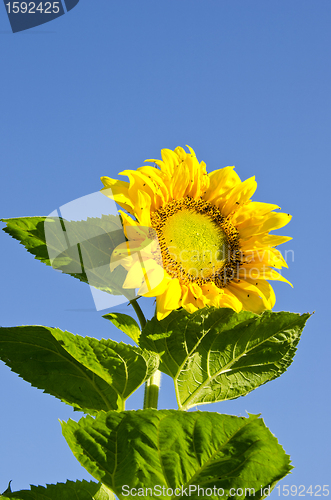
152,388
139,313
152,385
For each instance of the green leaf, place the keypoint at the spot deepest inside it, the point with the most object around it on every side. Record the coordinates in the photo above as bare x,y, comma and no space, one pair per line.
217,354
81,249
89,374
79,490
29,231
8,490
125,323
175,449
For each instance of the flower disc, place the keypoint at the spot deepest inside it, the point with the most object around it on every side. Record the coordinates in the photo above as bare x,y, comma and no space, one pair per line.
196,243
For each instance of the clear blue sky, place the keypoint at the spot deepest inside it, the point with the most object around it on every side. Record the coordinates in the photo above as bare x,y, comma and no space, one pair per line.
102,88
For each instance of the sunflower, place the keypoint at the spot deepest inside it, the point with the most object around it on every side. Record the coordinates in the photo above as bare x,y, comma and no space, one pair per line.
196,239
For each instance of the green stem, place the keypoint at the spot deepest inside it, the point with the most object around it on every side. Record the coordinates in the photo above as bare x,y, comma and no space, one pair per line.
139,313
152,385
152,388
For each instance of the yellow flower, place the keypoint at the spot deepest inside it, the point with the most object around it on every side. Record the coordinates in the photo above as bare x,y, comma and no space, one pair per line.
196,239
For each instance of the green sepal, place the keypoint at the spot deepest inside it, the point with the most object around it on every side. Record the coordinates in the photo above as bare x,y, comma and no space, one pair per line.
126,323
218,354
78,490
89,374
174,449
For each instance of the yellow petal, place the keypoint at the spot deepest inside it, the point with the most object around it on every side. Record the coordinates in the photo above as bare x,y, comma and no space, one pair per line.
275,221
228,299
181,181
180,152
251,213
119,192
160,313
161,278
265,291
195,177
142,186
155,279
191,151
138,233
142,208
220,182
211,292
268,256
239,194
135,277
169,300
188,300
260,271
248,296
269,222
170,161
160,182
263,240
124,250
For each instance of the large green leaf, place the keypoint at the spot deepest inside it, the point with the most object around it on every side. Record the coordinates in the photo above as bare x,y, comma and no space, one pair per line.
79,490
87,373
81,249
175,449
218,354
126,323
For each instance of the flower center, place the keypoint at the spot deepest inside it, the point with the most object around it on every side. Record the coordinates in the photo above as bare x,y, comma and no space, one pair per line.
197,242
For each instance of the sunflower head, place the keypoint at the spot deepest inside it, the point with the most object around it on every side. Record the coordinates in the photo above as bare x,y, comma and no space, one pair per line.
196,239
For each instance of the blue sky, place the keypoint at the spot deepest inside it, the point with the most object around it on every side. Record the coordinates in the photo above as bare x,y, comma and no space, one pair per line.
109,84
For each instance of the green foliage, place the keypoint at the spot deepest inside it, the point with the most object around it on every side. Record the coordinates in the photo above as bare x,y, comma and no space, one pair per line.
142,449
89,374
81,249
218,354
212,355
125,323
79,490
29,231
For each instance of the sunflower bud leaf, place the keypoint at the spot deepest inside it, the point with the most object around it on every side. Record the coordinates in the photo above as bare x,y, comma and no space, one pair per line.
126,323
